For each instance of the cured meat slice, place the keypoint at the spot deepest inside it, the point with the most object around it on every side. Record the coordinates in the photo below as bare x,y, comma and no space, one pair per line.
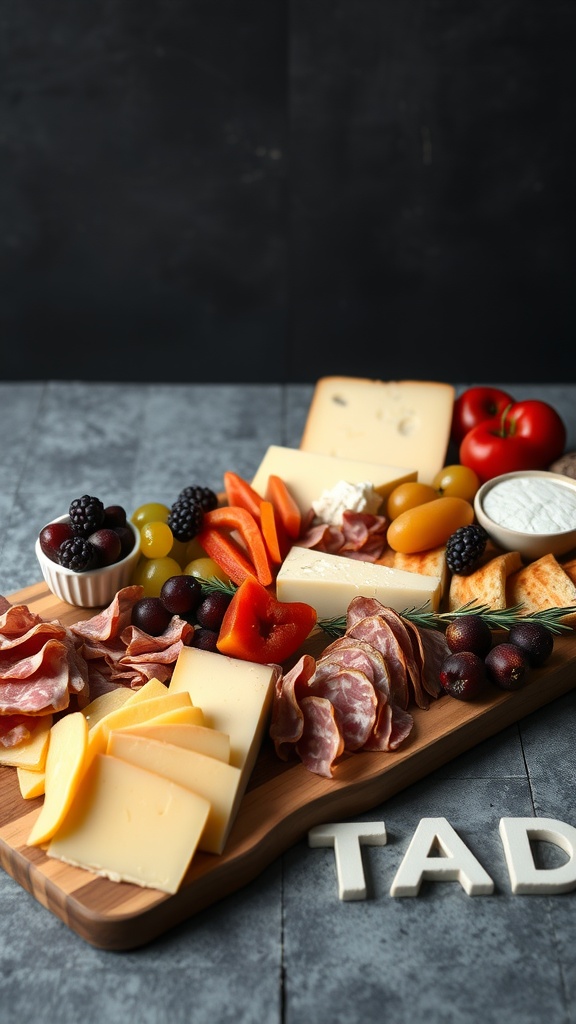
351,652
15,729
364,535
375,631
16,619
402,631
45,689
353,697
287,718
321,743
436,651
112,620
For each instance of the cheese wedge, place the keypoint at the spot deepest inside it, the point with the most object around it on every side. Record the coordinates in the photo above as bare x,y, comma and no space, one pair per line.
216,781
211,742
330,582
31,783
101,706
131,825
32,753
307,475
235,697
64,766
402,423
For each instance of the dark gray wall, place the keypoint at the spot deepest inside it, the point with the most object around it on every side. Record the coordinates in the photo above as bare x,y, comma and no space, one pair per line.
276,190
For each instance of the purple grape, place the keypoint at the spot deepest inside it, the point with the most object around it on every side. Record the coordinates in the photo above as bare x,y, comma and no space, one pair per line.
463,675
150,615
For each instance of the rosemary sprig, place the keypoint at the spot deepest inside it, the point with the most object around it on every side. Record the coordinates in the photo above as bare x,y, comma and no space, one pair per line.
496,618
213,585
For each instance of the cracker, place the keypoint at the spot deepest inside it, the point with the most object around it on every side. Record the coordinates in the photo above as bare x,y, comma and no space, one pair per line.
542,584
486,585
427,563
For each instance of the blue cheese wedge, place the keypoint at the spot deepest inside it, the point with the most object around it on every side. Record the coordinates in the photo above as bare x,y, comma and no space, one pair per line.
330,582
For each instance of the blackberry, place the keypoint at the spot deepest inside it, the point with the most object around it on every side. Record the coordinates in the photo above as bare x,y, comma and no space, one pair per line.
465,548
203,496
77,554
185,519
86,515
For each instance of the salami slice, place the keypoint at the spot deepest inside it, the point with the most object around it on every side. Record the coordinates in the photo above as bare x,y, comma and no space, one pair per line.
354,700
375,631
287,718
321,743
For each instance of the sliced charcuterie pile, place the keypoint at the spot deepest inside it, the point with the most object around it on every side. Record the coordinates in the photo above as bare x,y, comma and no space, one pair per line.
357,694
360,535
45,666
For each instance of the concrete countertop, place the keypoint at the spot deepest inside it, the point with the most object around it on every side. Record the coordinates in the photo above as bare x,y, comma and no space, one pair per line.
284,948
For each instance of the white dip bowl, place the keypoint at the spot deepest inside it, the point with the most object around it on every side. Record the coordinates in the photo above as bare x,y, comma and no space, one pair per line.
94,588
531,511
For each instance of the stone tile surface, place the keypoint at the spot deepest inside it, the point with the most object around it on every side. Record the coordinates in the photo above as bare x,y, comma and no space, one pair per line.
285,948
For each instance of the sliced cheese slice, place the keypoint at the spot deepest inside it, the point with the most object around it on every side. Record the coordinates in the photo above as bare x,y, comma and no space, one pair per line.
103,705
330,582
64,767
31,783
307,475
130,714
131,825
211,742
216,781
235,697
403,423
32,753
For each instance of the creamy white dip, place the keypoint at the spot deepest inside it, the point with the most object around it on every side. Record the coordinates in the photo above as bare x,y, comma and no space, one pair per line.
532,505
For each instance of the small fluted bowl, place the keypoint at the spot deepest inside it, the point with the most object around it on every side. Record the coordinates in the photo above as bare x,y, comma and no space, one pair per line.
544,521
92,589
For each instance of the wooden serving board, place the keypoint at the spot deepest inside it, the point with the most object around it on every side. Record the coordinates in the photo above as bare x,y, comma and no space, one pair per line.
282,802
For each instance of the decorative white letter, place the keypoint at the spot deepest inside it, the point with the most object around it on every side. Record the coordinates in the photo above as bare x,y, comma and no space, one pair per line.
525,877
455,861
347,838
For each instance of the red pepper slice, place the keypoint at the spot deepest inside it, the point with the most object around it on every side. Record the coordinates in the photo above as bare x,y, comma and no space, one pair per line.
216,539
257,627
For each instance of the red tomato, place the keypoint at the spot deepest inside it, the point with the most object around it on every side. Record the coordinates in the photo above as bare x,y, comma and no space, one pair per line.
530,435
476,405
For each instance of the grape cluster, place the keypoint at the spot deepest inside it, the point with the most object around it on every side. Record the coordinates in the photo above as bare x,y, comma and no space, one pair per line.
184,595
90,537
475,660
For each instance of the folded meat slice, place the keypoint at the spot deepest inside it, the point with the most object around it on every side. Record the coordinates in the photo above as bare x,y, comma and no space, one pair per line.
354,699
287,717
377,632
43,689
321,742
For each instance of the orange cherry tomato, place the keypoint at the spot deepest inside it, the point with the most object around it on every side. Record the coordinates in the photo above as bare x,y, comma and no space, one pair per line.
456,481
408,495
429,525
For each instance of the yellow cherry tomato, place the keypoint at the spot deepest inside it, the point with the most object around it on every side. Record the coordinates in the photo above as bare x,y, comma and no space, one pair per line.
152,511
205,568
429,525
152,573
457,482
156,540
408,495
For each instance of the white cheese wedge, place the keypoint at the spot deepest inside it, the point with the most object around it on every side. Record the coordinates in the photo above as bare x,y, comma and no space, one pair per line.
402,423
307,475
330,582
235,697
131,825
216,781
192,737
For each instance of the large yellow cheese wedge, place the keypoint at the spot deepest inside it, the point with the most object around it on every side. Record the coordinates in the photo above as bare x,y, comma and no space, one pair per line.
64,766
32,753
192,737
216,781
131,825
31,783
235,697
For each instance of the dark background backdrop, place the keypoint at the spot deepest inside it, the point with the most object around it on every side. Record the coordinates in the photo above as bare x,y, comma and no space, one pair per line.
209,190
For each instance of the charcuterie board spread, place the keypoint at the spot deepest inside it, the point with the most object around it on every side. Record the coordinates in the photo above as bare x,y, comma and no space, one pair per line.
283,800
170,730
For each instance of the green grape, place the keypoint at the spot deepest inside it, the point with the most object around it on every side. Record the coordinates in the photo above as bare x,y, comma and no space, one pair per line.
179,552
152,511
156,539
205,568
152,573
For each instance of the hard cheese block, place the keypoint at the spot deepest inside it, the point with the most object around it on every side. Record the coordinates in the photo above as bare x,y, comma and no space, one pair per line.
131,825
330,582
403,423
235,697
307,474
